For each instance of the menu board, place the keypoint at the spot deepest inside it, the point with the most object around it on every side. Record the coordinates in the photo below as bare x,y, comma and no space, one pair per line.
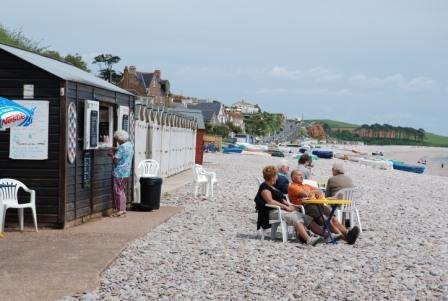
125,123
86,169
31,142
93,129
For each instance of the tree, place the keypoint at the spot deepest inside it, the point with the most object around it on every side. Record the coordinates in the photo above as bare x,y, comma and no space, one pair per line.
233,128
18,39
106,62
52,54
77,61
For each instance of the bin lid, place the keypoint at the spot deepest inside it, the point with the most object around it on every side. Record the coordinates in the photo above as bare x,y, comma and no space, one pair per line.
151,180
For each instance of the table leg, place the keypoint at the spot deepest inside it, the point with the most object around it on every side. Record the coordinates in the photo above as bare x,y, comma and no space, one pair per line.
327,222
333,209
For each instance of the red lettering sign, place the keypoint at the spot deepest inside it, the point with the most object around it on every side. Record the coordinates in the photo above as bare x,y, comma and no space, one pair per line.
13,118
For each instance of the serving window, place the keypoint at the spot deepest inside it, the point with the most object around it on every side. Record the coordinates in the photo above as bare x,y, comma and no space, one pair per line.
106,125
123,118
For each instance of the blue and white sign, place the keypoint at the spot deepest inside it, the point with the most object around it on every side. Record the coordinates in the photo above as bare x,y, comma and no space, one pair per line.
31,142
13,114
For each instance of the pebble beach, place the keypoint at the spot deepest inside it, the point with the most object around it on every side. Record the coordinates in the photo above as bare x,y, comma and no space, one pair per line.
212,251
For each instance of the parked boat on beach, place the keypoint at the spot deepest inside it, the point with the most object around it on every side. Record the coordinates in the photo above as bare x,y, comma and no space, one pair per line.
255,153
323,154
398,165
380,164
232,150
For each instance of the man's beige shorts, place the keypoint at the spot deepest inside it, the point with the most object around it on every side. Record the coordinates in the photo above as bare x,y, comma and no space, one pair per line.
292,218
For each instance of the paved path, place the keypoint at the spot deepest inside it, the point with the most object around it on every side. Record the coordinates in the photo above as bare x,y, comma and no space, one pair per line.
54,263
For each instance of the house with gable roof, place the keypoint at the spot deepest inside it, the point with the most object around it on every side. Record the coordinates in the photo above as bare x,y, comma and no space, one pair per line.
147,84
213,112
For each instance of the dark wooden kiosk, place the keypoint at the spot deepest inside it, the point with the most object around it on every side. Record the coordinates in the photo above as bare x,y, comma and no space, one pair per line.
72,176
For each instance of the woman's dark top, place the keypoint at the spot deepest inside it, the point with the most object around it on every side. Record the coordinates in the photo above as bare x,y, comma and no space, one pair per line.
263,211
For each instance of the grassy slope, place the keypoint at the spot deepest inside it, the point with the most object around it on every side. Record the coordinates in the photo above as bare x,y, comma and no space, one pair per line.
430,139
336,124
436,140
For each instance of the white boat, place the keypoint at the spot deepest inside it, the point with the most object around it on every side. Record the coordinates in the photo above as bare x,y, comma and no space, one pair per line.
255,153
380,164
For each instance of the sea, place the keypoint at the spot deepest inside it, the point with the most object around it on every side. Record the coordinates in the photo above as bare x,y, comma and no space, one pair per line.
440,160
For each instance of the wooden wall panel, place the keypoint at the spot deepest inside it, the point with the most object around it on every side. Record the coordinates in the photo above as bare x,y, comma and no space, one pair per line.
40,175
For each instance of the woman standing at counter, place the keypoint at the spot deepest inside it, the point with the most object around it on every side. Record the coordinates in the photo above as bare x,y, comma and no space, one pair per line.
122,159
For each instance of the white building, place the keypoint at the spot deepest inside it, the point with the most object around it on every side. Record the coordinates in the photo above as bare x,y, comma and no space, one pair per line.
245,107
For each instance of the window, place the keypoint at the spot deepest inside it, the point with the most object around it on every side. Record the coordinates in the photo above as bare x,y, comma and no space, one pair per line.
106,126
123,118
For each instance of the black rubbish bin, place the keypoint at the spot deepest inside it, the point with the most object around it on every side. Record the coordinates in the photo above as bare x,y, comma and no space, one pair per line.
150,190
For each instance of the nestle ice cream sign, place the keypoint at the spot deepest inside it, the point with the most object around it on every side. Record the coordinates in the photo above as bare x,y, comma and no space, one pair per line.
13,114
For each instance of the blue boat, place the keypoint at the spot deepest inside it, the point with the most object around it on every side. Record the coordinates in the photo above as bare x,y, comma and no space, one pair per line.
323,154
407,167
232,150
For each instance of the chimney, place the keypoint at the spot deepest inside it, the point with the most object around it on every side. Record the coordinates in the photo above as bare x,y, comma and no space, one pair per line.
157,74
132,70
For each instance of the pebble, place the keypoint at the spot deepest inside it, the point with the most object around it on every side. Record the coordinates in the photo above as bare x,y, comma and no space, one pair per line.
212,249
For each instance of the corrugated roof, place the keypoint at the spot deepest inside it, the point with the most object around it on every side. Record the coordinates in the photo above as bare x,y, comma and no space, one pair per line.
196,114
62,70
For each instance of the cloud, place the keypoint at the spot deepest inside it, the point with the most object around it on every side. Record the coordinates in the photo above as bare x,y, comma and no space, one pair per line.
316,74
397,81
420,84
360,81
272,91
306,91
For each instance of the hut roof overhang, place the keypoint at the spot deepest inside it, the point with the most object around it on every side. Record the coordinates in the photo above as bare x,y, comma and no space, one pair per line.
62,70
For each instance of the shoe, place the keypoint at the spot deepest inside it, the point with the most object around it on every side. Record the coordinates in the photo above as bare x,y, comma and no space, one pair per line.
352,235
336,237
314,240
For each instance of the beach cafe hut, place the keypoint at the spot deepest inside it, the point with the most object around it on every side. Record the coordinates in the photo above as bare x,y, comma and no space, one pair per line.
63,154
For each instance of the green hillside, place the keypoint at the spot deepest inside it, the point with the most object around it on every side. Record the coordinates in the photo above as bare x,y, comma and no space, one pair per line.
435,140
430,138
334,123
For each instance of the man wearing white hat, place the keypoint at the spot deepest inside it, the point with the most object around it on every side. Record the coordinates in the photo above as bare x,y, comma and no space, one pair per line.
338,181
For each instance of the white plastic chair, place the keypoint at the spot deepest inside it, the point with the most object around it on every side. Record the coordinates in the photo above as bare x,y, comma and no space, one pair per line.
311,183
351,210
9,189
149,168
275,223
280,222
203,180
301,207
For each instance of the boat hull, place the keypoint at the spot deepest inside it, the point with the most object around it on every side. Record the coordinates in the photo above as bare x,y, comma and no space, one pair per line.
408,167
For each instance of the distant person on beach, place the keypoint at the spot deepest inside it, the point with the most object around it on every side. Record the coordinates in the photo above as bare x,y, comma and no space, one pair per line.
122,161
282,182
305,163
442,165
268,194
298,191
338,181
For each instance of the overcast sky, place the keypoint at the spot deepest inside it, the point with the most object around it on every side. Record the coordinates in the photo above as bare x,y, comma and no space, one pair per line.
357,61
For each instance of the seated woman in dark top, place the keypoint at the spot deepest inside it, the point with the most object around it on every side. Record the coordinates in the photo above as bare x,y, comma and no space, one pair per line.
268,194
